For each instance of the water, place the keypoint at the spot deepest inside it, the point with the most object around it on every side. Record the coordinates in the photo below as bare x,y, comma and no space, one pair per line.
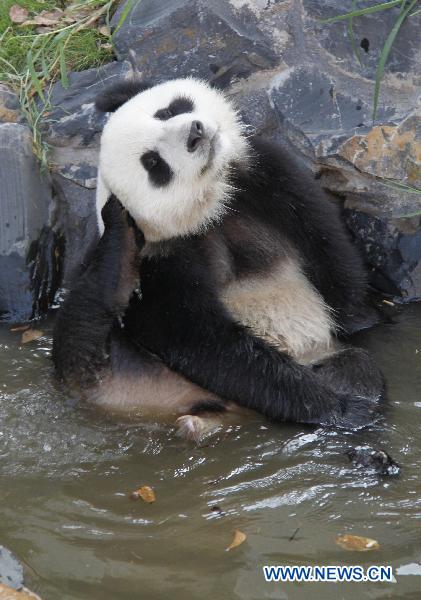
66,475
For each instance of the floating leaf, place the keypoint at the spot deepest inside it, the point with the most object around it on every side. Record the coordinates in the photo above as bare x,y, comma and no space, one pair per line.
357,543
31,334
146,493
18,14
239,538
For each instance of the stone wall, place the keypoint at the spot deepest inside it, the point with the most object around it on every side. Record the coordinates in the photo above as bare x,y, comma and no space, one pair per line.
294,79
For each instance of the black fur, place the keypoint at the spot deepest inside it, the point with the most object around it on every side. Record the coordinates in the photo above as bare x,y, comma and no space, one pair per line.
82,333
178,106
159,171
117,94
208,406
180,319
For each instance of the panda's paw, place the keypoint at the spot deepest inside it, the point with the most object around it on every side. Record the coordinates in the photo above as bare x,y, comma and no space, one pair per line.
194,428
113,212
356,411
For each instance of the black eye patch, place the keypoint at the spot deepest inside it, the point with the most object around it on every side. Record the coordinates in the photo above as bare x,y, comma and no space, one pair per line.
160,173
179,106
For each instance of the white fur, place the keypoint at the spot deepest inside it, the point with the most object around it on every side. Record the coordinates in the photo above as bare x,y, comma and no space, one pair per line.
284,308
198,193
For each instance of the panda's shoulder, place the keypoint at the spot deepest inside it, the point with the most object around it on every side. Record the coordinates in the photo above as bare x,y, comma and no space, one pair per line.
281,187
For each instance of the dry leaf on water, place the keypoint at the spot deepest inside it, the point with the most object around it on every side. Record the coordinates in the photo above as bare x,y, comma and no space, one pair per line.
31,334
239,538
18,14
357,543
146,493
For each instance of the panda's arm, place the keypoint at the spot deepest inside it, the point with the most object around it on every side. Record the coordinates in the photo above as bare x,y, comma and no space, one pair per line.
181,320
86,318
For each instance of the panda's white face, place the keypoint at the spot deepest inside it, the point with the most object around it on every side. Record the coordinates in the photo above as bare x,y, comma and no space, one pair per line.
166,154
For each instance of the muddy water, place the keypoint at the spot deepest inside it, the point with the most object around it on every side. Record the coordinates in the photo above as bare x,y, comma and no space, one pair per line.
65,476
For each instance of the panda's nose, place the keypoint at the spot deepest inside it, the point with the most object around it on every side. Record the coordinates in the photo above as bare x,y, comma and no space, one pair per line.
196,134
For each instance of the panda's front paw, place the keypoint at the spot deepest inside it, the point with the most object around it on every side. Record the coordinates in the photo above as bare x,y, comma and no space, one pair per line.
113,213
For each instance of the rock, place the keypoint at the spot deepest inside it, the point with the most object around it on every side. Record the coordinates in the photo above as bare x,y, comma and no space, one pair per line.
392,247
11,571
73,120
9,105
376,461
370,34
76,220
216,40
25,200
72,129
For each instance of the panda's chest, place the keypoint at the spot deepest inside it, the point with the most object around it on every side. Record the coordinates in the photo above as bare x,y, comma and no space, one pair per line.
282,306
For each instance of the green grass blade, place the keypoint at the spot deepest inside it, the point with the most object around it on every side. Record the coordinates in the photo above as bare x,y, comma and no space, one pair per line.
63,68
405,10
400,186
33,75
129,5
362,11
108,14
352,37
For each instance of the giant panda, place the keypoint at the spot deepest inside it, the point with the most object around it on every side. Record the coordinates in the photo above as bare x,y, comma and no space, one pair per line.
223,278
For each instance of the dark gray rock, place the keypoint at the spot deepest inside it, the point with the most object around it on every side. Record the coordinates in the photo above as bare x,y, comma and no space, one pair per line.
213,40
25,198
76,220
72,118
393,255
9,106
372,460
11,571
369,34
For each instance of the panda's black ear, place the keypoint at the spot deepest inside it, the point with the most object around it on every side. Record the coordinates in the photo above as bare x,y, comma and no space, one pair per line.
118,93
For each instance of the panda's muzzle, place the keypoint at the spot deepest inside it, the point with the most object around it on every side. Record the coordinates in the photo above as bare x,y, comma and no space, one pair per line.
196,135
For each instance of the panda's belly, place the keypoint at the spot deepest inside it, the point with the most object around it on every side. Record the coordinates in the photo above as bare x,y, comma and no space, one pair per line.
284,308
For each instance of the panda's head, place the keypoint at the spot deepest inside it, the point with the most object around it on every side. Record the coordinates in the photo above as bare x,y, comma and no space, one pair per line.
166,153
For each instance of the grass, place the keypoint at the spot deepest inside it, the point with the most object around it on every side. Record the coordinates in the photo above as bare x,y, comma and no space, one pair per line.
85,47
32,58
